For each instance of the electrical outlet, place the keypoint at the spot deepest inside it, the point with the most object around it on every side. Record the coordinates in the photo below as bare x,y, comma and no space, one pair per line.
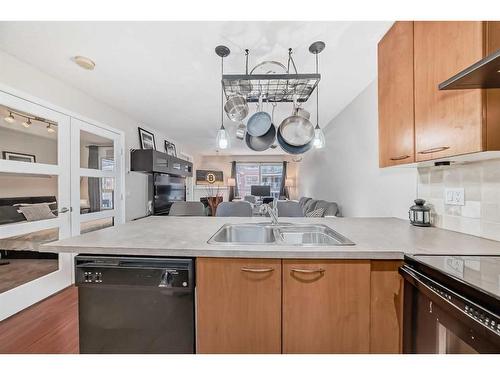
454,196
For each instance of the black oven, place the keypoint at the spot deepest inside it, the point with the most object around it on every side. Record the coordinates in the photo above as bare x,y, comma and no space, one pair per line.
451,304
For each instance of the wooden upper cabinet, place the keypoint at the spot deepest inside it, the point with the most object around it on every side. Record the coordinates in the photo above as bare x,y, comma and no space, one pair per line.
326,306
395,95
493,95
238,305
447,123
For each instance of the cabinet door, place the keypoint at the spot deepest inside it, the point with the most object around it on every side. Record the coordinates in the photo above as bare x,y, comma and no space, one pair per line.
238,305
493,95
326,306
386,318
446,122
395,96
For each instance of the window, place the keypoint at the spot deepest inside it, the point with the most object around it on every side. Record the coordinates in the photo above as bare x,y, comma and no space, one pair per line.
248,174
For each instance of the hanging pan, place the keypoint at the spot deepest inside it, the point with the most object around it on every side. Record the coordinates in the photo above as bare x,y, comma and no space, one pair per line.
259,123
295,150
297,130
265,141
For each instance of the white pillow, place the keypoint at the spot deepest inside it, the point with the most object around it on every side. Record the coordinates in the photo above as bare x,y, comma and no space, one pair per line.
37,212
316,213
31,204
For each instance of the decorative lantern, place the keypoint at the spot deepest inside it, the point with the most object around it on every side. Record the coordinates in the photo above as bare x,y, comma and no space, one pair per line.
419,214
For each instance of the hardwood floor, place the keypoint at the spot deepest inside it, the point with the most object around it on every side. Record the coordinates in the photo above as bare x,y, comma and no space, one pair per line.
49,327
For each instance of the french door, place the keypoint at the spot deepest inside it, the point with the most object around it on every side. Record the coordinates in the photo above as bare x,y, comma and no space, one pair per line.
96,177
60,176
35,167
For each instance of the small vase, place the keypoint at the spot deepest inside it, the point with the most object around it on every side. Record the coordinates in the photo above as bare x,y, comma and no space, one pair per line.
213,202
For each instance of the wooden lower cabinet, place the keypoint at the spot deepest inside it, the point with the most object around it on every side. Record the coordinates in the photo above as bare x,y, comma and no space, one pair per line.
238,305
298,306
386,307
326,306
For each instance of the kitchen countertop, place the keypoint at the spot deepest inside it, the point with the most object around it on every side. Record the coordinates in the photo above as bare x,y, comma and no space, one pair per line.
374,238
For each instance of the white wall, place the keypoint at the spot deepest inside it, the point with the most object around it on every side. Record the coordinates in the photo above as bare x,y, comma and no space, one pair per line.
346,170
23,77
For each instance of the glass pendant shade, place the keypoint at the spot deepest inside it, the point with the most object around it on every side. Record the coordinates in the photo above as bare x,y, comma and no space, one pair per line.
222,138
319,138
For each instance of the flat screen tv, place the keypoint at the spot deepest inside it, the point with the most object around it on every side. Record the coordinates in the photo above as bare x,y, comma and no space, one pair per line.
260,190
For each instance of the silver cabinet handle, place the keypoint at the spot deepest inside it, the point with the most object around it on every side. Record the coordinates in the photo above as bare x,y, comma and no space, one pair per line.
256,270
300,270
435,149
64,210
402,157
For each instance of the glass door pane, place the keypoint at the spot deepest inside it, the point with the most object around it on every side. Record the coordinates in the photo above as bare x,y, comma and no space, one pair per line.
97,177
34,202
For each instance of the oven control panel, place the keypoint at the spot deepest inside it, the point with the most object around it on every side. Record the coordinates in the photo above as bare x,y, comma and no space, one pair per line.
482,317
486,318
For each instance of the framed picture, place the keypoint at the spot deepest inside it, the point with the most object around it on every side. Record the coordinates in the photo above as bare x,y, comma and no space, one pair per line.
170,149
16,156
146,139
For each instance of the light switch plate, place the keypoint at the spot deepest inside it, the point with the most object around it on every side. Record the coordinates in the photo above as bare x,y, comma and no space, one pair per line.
454,196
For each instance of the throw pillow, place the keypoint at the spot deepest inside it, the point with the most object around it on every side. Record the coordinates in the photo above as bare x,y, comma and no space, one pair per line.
316,213
37,212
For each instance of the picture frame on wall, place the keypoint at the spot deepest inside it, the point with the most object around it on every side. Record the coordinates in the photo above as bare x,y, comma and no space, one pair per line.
170,149
146,139
17,156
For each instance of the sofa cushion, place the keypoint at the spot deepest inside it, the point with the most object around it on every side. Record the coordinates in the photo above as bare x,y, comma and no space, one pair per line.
315,213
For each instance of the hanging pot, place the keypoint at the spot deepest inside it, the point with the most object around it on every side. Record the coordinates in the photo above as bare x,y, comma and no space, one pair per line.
236,108
263,142
297,130
295,150
259,123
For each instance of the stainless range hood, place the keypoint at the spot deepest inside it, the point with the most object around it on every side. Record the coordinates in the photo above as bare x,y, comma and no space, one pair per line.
485,74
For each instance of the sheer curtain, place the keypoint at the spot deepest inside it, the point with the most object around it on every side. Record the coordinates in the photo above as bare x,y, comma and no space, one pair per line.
93,182
283,189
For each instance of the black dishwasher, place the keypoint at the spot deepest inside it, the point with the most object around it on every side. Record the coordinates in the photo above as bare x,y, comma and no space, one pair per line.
135,305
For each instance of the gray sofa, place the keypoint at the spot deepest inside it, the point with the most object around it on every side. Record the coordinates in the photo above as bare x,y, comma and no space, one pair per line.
310,204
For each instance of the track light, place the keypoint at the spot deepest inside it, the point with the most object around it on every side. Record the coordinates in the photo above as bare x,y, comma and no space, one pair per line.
27,123
50,129
10,118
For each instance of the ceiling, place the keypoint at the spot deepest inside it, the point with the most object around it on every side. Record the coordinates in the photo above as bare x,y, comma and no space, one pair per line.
166,74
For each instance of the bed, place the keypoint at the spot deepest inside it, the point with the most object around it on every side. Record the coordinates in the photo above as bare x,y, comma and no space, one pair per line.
32,241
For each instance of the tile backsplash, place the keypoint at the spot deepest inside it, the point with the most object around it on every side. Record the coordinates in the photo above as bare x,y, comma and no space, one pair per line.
480,216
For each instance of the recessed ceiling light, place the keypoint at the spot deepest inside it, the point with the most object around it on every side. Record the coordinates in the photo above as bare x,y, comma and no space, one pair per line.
84,62
27,123
10,118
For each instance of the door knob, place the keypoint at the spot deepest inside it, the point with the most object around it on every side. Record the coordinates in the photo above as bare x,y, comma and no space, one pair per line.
64,210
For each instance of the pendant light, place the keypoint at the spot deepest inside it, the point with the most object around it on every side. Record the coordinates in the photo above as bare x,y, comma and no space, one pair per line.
222,139
10,118
319,137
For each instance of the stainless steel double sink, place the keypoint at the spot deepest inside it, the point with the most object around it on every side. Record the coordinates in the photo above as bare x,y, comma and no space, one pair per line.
281,234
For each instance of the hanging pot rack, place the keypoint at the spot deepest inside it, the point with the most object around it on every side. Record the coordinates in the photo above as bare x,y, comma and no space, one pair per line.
273,88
